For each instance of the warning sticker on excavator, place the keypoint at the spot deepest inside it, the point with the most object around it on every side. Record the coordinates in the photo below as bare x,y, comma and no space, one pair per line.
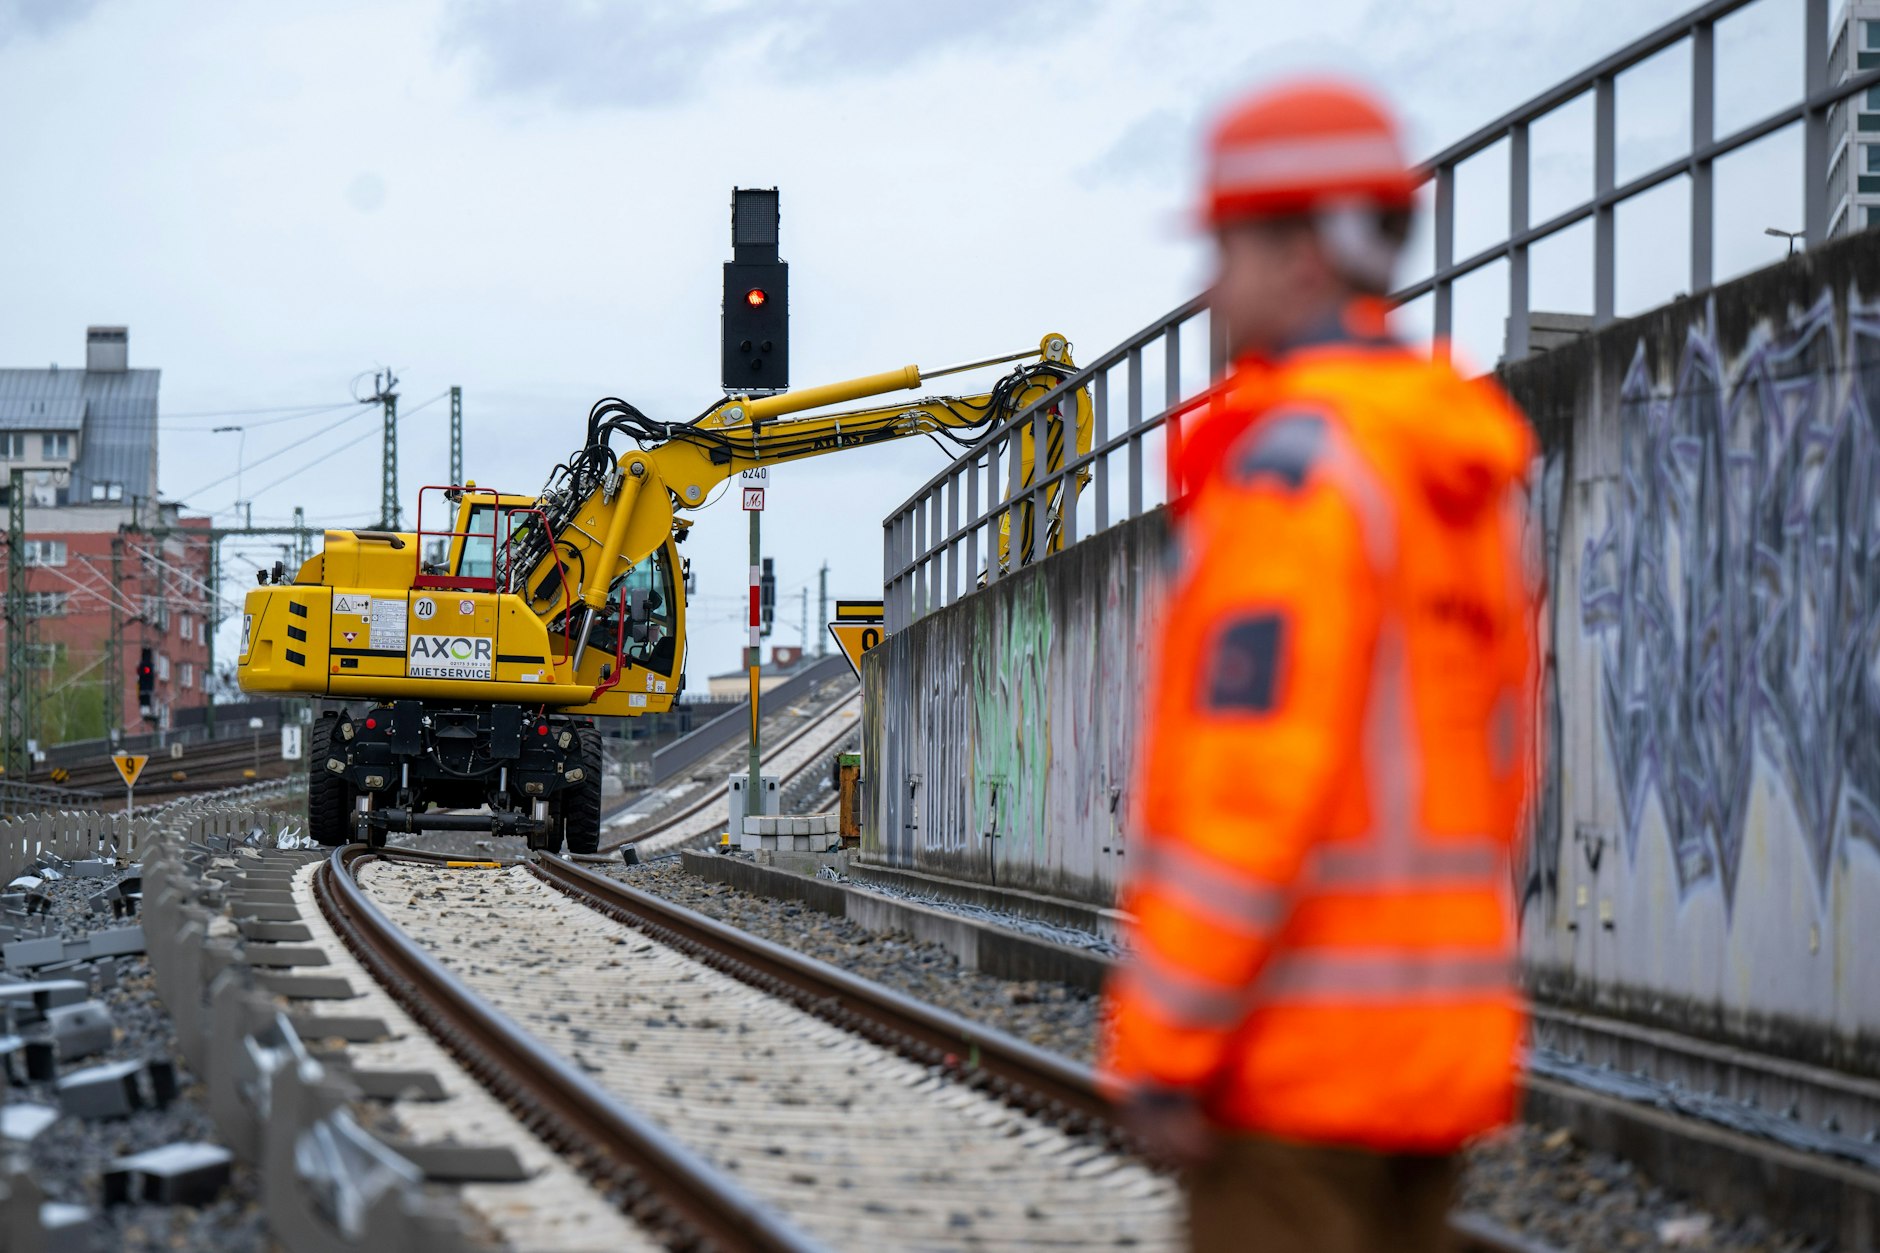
359,604
451,657
387,623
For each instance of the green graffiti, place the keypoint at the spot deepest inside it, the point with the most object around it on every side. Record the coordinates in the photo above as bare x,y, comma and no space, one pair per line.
1011,734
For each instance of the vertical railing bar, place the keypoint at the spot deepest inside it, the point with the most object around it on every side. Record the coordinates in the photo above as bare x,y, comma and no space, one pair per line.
1443,320
1099,436
1518,168
939,540
891,593
920,546
1015,452
972,514
1815,125
1172,391
1703,133
1605,219
953,538
1133,395
1040,466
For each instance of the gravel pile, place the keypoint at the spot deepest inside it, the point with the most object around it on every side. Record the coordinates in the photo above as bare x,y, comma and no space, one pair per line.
69,1157
1535,1181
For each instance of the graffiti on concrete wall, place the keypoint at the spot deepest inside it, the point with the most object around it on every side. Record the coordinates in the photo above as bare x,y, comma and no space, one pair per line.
1734,591
1011,729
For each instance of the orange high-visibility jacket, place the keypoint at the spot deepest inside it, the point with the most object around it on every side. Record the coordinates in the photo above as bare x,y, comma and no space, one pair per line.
1332,772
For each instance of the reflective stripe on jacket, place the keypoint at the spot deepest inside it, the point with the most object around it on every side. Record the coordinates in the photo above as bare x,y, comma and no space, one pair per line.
1333,763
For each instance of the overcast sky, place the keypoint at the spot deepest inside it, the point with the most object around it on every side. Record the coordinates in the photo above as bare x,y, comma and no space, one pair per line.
530,200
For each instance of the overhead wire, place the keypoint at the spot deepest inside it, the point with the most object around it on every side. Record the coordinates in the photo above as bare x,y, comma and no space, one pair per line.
295,415
281,451
352,443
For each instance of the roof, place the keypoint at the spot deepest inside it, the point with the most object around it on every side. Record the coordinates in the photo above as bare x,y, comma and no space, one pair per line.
116,410
42,400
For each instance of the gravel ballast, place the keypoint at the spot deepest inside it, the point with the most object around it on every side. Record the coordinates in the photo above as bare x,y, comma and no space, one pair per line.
1532,1180
68,1158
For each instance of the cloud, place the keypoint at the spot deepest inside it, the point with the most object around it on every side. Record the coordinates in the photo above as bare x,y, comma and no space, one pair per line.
40,19
1152,149
596,54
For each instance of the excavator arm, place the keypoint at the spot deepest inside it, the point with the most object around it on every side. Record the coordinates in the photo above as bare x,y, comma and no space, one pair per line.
603,513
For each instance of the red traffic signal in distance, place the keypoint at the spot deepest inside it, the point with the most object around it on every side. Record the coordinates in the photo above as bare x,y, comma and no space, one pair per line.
756,297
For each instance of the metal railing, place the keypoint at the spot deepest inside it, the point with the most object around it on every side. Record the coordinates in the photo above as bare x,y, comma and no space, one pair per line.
1820,93
944,540
934,538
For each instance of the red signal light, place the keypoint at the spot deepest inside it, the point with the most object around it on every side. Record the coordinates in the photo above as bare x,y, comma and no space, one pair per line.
756,297
372,724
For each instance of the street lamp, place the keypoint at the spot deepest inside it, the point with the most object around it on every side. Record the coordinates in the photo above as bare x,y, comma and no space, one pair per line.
241,448
1779,233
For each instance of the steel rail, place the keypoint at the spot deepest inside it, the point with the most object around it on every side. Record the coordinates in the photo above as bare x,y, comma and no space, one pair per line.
653,1177
1040,1082
1023,1074
718,798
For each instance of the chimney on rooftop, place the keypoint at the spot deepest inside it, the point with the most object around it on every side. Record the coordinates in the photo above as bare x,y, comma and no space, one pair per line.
107,349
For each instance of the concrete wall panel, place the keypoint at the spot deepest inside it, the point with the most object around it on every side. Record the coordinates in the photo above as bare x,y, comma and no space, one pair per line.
998,734
1707,845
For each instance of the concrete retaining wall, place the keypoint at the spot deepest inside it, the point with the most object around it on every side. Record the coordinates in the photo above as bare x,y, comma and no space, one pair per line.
1706,850
1707,841
998,733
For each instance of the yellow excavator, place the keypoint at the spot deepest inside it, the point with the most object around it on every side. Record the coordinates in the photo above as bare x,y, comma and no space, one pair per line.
482,648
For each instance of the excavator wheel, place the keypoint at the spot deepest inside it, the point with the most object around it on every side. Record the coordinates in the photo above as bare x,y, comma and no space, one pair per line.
329,797
581,805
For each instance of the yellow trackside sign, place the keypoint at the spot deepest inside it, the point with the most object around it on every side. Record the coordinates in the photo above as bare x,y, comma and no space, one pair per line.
854,639
129,766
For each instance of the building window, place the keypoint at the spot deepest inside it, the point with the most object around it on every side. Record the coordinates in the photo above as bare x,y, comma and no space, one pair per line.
1869,215
107,491
12,446
189,674
56,444
46,655
45,604
184,631
163,667
1870,35
45,552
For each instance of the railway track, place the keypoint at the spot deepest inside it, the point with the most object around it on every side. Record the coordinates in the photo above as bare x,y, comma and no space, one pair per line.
206,766
731,1093
794,754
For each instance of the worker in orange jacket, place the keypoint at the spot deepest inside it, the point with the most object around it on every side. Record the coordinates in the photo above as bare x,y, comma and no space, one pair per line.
1319,1007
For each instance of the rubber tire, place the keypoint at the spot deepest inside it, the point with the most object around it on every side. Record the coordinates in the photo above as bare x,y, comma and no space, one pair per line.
329,797
581,804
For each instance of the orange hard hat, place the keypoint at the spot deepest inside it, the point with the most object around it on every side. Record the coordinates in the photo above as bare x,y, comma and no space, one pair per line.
1294,147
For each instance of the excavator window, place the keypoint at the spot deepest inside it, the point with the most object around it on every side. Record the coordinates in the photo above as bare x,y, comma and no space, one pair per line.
477,559
651,635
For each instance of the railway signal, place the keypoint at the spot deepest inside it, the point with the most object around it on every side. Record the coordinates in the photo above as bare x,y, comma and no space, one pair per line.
757,298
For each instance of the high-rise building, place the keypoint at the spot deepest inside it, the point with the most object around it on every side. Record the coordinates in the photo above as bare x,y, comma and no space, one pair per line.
1854,124
99,544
